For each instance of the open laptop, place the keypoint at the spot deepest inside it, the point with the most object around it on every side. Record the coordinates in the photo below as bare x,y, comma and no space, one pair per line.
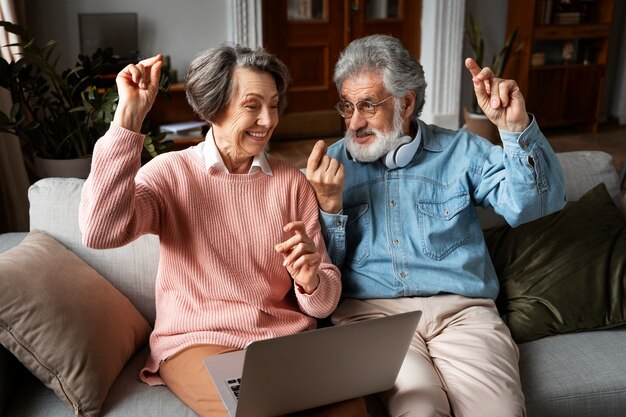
313,368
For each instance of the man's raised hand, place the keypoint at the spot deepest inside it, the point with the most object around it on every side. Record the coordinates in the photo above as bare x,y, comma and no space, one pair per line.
500,99
327,178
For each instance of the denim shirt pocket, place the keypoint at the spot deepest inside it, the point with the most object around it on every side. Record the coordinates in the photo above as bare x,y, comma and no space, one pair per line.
358,228
444,224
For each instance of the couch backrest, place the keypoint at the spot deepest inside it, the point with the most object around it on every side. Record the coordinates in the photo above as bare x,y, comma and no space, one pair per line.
131,269
582,171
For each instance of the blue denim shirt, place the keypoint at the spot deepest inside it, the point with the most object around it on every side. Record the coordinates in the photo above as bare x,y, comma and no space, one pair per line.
414,231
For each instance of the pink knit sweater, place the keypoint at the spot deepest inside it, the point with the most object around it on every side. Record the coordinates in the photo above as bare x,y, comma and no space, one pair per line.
219,280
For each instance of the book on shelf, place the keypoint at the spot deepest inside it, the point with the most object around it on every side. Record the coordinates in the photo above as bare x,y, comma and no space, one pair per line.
543,12
567,18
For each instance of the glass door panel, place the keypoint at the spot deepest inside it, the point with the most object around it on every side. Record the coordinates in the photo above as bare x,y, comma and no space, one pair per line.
382,9
303,10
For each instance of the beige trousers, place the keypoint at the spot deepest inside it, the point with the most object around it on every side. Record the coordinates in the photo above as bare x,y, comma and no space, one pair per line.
462,360
186,375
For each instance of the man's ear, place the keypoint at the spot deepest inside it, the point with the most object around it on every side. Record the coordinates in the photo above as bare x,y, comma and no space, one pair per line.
408,104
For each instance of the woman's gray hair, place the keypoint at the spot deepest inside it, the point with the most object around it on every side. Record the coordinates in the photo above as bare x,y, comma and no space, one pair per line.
386,55
209,81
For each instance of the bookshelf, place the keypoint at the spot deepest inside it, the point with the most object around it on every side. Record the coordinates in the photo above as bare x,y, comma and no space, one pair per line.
174,111
561,66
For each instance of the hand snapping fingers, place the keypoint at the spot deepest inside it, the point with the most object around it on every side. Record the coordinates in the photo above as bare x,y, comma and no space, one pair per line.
297,244
298,251
302,258
314,160
310,260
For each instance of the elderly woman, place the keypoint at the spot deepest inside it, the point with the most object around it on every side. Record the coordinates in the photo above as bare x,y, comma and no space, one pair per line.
241,254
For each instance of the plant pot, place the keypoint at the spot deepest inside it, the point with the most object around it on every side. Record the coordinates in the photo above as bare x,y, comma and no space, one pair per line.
75,168
480,125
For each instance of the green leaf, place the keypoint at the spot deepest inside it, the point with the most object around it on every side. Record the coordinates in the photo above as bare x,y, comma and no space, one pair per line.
15,29
149,146
15,108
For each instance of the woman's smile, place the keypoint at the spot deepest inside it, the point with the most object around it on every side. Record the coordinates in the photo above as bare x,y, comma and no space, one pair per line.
257,136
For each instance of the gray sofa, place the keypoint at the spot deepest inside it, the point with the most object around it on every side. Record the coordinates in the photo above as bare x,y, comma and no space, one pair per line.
581,374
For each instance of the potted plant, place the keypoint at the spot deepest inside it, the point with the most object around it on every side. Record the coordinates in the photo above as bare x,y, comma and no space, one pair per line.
59,115
475,119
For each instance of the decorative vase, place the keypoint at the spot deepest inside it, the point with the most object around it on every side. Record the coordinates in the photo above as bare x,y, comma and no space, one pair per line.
75,168
480,125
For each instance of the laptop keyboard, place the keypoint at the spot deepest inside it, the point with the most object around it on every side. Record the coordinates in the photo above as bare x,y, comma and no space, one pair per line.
234,385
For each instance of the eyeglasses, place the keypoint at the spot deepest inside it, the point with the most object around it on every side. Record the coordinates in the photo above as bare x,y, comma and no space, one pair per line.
365,107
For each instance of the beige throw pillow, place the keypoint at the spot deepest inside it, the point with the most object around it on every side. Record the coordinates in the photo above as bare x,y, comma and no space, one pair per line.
65,322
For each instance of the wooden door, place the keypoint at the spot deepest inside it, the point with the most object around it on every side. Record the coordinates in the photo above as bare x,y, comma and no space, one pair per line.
398,18
309,35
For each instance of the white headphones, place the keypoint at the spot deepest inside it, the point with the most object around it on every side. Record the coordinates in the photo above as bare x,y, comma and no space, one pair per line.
402,155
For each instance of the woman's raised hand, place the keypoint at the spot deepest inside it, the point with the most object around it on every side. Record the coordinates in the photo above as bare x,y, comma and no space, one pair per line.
137,85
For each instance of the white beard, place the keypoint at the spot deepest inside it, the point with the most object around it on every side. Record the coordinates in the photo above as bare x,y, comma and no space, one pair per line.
383,143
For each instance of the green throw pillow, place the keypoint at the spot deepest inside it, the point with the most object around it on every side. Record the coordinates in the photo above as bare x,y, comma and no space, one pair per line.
564,272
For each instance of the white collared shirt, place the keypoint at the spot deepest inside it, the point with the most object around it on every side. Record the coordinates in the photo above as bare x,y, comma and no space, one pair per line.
212,157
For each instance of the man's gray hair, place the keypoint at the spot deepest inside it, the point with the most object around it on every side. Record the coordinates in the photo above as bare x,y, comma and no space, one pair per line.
387,56
209,80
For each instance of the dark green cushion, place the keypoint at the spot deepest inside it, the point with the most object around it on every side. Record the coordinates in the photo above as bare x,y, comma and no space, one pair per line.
564,272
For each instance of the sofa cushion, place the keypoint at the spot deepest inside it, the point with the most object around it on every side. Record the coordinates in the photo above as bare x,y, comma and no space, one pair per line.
9,240
65,322
564,272
131,269
128,397
582,171
575,375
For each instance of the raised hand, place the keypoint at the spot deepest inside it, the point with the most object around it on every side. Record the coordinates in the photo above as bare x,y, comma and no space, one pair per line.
500,99
302,258
327,178
137,85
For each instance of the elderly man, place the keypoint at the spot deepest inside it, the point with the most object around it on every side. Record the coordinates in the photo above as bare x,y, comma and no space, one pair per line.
397,200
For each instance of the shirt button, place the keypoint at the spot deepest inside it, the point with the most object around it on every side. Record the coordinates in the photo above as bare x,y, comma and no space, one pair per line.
446,211
403,274
396,241
393,203
338,223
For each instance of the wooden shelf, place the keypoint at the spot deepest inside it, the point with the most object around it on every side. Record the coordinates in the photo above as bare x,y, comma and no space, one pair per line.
567,89
174,110
563,67
567,32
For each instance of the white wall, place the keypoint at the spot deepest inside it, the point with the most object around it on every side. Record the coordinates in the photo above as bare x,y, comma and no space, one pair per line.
492,17
441,44
179,28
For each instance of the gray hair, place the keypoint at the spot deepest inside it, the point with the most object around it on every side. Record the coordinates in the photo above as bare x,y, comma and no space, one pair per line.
386,55
209,80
